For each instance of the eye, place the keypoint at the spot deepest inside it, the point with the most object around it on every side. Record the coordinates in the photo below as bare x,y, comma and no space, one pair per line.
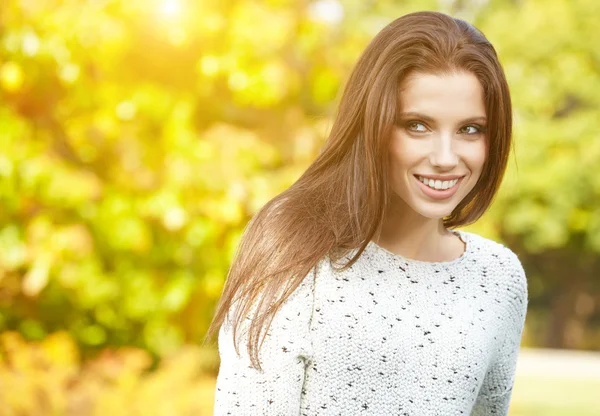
416,126
472,129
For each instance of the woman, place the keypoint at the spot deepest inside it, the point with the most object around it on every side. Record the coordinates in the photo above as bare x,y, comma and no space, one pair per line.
351,290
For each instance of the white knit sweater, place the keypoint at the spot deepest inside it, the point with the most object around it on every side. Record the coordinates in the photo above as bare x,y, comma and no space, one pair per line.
389,336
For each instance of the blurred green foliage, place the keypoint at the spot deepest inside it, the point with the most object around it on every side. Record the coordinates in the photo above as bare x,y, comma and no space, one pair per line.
138,137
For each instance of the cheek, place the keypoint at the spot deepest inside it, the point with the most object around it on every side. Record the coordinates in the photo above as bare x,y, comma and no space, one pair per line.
475,157
404,153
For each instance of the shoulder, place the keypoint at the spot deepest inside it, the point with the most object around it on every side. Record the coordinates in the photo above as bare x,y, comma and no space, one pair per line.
489,250
501,261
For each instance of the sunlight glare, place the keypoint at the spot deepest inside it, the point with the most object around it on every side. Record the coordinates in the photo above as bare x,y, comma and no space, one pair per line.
170,8
329,11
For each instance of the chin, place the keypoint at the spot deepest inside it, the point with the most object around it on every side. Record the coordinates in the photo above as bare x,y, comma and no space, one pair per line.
432,210
434,214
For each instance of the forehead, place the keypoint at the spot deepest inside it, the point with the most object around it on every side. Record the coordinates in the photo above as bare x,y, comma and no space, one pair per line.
457,94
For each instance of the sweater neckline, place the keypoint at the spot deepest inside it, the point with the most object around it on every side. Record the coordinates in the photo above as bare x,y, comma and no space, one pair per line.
464,236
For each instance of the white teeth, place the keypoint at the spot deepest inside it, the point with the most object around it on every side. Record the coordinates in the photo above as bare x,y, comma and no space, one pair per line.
438,184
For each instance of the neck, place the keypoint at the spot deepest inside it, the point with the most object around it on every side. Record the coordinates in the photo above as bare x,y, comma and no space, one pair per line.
413,236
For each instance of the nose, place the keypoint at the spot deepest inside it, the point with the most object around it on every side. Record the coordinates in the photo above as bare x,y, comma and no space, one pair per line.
442,155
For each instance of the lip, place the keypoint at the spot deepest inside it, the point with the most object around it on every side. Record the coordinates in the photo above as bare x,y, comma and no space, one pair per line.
440,177
443,194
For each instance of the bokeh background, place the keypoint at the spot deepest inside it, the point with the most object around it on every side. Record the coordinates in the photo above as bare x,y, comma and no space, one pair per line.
138,137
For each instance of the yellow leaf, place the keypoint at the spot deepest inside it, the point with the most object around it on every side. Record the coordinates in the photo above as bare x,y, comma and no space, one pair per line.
11,76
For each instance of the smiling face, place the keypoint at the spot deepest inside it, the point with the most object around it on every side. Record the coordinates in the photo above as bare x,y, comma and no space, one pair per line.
438,145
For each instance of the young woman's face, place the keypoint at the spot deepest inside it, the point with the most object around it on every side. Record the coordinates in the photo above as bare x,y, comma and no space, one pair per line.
438,146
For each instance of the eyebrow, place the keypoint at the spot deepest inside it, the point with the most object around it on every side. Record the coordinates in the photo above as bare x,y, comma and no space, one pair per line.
411,114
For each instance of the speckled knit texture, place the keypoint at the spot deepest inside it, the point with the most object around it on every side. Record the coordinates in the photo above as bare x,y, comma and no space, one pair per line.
389,336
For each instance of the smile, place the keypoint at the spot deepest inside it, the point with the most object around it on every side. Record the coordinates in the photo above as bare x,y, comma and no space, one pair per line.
438,189
438,184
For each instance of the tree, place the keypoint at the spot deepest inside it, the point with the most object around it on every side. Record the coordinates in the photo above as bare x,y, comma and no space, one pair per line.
138,139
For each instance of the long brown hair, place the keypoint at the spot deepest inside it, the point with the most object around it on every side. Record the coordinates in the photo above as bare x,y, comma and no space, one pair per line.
339,202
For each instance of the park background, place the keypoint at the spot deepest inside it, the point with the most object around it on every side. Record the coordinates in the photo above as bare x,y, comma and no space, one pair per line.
138,137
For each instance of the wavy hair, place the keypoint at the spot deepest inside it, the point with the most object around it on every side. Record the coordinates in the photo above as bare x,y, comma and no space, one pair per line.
340,201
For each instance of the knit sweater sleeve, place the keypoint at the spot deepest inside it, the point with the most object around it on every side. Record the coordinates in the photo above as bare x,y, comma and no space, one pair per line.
287,349
495,394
